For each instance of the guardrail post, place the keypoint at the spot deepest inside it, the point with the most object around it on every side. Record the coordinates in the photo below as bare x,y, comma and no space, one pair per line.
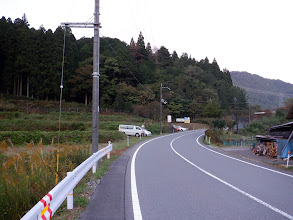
128,140
288,158
209,140
108,155
70,196
95,168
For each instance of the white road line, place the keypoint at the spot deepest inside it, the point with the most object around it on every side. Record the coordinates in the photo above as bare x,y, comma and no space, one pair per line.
231,186
135,201
242,161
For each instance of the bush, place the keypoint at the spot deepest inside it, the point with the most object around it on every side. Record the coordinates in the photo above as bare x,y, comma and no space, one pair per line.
219,123
262,126
256,127
80,126
214,135
9,115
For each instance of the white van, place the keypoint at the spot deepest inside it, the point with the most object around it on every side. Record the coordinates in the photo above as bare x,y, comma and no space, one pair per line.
133,130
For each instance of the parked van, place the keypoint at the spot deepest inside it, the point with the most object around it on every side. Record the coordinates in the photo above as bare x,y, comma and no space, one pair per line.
133,130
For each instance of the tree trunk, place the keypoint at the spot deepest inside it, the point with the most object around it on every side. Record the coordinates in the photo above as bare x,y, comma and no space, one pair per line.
17,88
14,86
85,99
28,86
20,87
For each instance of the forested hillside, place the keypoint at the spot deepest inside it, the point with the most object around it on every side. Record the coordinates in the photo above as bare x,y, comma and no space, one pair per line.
131,74
261,91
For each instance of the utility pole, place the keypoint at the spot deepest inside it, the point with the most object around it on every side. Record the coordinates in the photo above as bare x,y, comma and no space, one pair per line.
161,107
96,79
96,73
161,104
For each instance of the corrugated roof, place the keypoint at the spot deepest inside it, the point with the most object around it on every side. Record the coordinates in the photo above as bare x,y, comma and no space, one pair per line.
265,138
286,126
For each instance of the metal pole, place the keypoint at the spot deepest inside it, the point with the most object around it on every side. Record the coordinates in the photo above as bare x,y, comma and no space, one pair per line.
96,79
161,107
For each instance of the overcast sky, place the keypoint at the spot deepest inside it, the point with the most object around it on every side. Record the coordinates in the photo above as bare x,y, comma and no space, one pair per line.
243,35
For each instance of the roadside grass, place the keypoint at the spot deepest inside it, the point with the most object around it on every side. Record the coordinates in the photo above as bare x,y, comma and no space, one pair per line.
28,150
86,186
27,173
281,166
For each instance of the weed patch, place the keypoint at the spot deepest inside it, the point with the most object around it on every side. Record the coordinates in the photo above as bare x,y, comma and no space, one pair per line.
27,176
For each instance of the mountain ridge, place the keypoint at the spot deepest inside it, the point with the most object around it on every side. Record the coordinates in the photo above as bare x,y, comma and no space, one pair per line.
268,93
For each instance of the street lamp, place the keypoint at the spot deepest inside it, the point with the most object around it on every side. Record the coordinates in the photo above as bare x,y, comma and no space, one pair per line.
161,104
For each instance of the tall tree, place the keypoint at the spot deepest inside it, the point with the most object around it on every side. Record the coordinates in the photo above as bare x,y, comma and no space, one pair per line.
163,58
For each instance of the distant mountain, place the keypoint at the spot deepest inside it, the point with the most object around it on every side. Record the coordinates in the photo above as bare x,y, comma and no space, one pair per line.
268,93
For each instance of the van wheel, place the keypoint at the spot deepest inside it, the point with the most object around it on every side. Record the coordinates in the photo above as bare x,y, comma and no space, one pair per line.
137,134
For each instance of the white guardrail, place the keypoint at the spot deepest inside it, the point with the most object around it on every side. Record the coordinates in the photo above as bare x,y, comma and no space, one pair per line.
49,204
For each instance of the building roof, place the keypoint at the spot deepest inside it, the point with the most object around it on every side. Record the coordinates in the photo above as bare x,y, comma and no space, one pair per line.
287,126
265,138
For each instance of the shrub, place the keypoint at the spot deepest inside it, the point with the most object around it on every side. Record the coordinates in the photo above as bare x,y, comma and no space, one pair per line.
215,136
9,115
219,123
78,126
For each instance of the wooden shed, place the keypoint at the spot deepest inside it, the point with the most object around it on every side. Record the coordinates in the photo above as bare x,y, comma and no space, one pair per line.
283,134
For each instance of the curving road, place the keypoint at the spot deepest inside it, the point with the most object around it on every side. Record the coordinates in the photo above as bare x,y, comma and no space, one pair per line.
178,177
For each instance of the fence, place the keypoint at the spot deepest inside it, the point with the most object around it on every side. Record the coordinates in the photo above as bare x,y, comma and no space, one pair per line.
239,143
49,204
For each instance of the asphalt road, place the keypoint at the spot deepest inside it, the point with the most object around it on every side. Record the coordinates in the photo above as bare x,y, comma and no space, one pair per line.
178,177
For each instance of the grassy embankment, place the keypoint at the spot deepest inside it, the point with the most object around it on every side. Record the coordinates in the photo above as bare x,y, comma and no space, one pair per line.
28,146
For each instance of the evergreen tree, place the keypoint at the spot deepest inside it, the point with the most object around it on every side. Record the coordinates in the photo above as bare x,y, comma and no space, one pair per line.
31,61
163,58
149,50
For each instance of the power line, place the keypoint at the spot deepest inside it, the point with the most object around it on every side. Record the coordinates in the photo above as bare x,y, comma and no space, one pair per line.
122,61
265,92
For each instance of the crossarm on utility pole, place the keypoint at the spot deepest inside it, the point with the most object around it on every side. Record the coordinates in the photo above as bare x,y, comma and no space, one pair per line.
96,75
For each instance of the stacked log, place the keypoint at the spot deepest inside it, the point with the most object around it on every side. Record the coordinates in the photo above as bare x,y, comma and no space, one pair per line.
266,148
259,149
272,148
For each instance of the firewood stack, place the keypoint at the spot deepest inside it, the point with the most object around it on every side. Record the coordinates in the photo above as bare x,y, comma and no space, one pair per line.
266,148
272,149
259,149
